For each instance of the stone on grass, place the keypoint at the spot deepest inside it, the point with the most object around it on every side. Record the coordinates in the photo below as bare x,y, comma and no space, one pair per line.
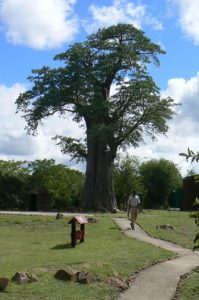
24,277
114,210
3,284
66,274
85,277
120,284
165,226
59,216
92,220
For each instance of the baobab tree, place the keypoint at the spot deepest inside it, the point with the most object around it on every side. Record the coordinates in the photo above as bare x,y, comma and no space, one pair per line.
113,58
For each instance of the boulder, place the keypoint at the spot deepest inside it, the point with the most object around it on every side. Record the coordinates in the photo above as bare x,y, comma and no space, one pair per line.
24,277
92,220
59,216
3,284
120,284
85,277
66,274
165,226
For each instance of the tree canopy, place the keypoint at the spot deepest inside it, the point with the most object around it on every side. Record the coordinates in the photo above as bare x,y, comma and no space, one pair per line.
63,184
160,177
127,178
13,182
17,178
194,156
114,58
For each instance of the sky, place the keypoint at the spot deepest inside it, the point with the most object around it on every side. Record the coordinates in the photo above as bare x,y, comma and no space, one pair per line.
32,32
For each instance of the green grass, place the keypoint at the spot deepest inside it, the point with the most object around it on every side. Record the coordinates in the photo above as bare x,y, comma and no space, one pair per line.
185,228
190,290
42,244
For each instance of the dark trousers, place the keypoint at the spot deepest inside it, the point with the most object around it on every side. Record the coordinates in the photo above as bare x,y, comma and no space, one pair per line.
134,213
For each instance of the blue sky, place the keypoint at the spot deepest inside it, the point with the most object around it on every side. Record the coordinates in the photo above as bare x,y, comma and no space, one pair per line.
32,32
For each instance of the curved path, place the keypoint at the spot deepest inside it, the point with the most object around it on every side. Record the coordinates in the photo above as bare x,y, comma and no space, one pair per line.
159,281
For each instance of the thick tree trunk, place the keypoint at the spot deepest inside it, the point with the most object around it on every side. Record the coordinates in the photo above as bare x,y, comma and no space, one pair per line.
98,192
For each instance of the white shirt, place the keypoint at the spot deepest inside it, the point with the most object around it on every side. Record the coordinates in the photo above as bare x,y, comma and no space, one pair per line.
134,200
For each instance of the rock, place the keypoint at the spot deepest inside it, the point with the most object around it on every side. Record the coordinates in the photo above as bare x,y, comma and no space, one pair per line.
66,274
24,277
120,284
92,220
32,278
3,284
115,210
85,277
20,277
165,226
59,216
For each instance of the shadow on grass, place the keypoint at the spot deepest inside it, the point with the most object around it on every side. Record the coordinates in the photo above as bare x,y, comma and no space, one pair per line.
115,228
61,247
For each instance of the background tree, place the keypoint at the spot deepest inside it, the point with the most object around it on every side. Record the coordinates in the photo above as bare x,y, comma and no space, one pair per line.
194,156
113,57
127,178
13,184
160,177
63,184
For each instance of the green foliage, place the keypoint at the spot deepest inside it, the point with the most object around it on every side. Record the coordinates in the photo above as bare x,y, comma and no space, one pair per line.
194,156
74,147
117,56
160,178
62,183
13,183
127,178
19,177
191,154
114,57
195,215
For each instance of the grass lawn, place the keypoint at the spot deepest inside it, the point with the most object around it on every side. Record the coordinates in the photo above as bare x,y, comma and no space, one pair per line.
42,244
185,228
190,290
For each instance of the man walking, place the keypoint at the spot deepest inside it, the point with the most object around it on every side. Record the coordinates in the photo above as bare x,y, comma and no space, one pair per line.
133,204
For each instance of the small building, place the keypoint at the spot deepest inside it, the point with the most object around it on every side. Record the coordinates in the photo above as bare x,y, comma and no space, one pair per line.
38,200
176,199
190,192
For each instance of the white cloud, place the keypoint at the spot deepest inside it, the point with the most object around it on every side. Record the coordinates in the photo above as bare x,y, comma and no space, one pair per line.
38,23
189,18
183,128
121,11
13,139
185,92
15,144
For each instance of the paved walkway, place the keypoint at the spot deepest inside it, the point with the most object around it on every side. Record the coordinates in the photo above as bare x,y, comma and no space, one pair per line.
40,213
159,281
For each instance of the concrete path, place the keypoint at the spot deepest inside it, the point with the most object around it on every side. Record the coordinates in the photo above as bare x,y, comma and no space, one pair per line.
159,281
40,213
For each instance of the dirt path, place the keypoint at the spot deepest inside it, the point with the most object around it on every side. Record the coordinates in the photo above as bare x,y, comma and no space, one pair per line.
158,282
